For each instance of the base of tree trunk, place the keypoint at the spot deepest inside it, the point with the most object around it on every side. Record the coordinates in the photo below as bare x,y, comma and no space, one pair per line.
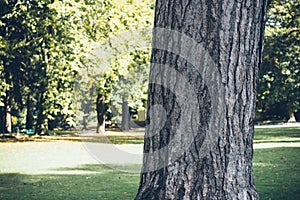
101,128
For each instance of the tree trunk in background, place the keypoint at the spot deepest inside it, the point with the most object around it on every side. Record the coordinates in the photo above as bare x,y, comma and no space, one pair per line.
125,115
101,110
84,121
7,111
297,116
2,119
202,93
8,120
29,113
42,121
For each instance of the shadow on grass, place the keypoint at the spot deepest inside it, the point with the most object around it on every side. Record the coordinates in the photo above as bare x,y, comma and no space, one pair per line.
101,168
276,170
95,182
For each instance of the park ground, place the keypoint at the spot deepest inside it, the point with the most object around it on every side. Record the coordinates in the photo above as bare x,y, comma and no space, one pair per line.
90,166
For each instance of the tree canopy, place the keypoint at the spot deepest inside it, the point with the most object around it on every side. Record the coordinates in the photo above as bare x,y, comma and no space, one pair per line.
279,83
53,53
46,45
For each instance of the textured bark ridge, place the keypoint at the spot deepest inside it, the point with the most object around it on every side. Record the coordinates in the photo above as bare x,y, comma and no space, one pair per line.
205,59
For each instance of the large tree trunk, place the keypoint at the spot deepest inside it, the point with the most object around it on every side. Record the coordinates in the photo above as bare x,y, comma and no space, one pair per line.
205,59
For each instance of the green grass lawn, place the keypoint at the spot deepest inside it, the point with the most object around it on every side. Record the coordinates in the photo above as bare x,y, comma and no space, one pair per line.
276,171
98,182
277,134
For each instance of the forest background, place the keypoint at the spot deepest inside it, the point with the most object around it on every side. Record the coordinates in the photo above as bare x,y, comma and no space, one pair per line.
72,63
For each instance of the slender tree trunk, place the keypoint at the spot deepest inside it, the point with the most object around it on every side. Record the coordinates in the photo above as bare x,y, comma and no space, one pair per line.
7,110
101,110
125,115
84,121
201,105
29,113
41,122
8,124
2,119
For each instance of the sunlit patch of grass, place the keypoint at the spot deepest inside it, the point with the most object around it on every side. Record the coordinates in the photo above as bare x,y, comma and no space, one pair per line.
115,139
283,134
126,139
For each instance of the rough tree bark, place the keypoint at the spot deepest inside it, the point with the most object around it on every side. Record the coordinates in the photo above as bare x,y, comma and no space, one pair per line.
202,93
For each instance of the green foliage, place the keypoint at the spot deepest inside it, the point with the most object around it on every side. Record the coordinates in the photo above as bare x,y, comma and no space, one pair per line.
279,82
45,44
46,47
132,82
131,45
118,65
39,58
